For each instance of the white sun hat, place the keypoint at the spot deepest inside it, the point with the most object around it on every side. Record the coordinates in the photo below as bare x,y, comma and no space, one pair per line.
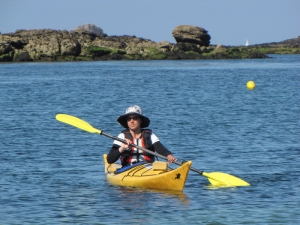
133,110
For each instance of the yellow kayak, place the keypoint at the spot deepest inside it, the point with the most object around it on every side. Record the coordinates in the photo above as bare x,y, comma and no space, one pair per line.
155,175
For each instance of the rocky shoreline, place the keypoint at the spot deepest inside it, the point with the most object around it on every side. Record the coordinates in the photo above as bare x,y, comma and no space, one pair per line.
84,45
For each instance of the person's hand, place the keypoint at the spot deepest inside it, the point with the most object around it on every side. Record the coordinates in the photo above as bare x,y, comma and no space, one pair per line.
125,146
171,158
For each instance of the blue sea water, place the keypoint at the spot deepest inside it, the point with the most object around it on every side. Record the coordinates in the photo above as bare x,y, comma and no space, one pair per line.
52,173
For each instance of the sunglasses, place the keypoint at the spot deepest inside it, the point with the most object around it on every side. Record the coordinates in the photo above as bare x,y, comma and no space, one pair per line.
134,118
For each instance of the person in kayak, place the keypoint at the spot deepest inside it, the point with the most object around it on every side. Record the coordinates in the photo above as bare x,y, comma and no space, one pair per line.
134,122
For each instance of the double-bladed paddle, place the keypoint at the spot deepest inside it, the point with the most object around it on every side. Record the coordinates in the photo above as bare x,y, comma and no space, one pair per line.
218,179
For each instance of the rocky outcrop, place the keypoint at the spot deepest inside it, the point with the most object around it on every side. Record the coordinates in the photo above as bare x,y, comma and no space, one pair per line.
191,34
290,46
290,43
295,42
90,43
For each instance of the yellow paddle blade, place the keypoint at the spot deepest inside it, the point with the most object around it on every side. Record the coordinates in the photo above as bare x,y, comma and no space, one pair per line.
219,179
76,122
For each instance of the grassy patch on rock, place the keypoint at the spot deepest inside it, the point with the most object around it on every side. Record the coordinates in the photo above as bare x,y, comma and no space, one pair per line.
279,50
98,50
5,57
153,53
191,52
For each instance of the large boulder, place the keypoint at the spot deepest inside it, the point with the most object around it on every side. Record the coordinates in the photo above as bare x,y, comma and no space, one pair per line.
89,28
191,34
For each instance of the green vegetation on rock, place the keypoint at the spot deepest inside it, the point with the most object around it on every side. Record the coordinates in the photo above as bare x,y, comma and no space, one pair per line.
153,53
276,50
98,50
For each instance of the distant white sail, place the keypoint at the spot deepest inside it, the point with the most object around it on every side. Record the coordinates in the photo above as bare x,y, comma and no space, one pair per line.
247,43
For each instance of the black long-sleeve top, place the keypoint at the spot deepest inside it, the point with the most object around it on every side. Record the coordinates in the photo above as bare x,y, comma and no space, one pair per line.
114,153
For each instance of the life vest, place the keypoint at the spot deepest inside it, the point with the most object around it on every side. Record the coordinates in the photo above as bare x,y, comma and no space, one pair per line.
127,155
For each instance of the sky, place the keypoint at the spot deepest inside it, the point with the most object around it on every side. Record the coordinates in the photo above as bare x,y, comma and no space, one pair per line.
228,22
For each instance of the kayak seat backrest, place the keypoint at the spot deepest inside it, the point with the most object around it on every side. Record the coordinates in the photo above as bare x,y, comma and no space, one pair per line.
111,168
162,166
